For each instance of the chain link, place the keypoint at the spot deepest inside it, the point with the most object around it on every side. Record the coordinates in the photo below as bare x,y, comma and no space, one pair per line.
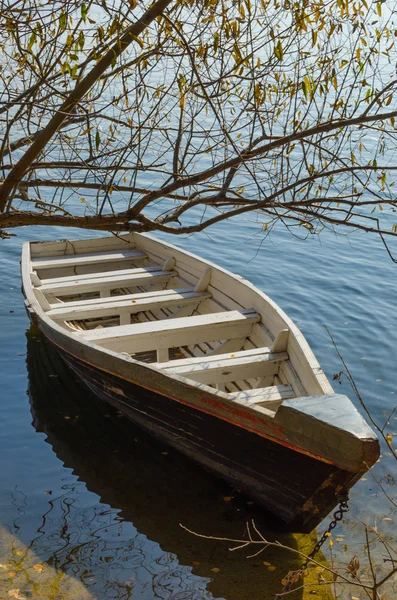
294,576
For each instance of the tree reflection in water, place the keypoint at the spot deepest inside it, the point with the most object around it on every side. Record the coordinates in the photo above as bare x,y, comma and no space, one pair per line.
113,522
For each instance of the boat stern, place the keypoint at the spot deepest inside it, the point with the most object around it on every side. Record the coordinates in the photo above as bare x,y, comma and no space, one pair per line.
330,428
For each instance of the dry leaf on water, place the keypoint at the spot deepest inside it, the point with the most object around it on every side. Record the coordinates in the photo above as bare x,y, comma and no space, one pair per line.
39,568
215,570
16,594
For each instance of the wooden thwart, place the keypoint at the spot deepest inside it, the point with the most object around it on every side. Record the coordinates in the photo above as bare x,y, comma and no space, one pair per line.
99,282
247,364
127,304
74,260
156,335
267,394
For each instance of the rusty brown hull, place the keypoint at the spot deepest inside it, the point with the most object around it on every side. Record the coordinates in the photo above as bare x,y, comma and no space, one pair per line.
298,489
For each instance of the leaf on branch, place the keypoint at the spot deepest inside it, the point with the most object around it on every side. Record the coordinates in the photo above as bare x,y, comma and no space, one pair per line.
353,566
138,41
306,87
278,51
32,40
63,21
314,37
86,130
84,12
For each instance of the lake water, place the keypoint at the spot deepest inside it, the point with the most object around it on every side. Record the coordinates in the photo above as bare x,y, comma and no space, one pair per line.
90,506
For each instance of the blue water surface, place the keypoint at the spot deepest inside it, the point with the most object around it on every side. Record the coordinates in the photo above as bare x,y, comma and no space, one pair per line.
110,519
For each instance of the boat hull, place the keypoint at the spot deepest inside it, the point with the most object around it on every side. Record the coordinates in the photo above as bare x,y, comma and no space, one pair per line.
296,488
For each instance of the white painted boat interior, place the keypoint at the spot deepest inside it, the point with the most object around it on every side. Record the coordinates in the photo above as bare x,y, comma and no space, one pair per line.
135,295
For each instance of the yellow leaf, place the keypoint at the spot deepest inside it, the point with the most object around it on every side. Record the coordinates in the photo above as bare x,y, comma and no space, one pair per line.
136,39
195,562
86,131
379,9
314,37
133,4
267,564
19,553
278,51
11,573
39,568
227,498
215,570
271,568
389,439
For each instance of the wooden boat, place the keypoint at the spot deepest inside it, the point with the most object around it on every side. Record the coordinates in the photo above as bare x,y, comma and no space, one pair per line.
206,362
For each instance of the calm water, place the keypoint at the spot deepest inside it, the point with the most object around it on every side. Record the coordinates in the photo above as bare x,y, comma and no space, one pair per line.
90,507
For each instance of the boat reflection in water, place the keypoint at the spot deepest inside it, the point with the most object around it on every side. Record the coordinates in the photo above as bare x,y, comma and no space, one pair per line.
129,544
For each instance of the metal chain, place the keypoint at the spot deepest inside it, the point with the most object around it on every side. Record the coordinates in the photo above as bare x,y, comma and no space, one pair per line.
294,576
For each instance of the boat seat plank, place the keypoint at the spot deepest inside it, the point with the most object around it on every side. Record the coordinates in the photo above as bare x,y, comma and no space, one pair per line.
267,394
221,370
127,304
88,276
118,297
74,260
105,281
210,358
183,331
